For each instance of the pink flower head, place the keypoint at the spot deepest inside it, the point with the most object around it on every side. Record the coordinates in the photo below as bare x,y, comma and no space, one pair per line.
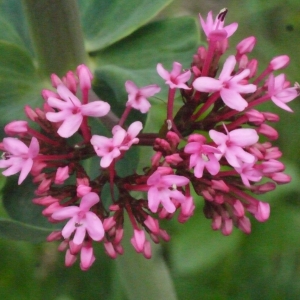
18,157
110,148
137,97
230,87
71,111
215,30
279,93
82,220
162,189
232,143
175,79
202,156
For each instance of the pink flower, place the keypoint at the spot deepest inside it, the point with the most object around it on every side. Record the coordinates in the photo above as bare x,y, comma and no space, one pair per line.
215,30
71,111
231,145
110,148
279,92
248,173
18,157
175,79
202,156
230,87
137,97
159,191
82,220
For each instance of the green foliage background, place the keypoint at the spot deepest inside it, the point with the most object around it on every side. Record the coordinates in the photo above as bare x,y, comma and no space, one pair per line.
125,42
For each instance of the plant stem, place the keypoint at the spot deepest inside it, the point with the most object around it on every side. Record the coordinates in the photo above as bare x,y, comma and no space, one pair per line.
56,34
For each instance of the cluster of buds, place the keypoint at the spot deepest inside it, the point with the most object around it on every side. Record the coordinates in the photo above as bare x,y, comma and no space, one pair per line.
216,146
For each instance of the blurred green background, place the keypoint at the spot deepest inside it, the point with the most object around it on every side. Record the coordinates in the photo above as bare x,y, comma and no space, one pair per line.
203,263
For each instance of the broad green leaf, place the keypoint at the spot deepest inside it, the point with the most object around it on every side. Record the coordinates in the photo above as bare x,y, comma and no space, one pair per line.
17,200
8,32
12,11
162,41
106,22
15,230
135,58
19,82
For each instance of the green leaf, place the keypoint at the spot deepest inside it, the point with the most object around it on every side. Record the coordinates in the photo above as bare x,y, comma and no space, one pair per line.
19,82
12,12
15,230
196,247
162,41
135,58
17,200
106,22
8,32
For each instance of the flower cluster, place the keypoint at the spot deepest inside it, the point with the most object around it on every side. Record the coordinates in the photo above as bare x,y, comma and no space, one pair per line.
217,146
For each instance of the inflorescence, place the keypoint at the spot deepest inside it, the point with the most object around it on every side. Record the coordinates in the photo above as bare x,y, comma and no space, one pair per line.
217,146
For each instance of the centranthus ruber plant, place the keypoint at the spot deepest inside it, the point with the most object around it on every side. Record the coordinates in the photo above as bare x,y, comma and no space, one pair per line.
217,146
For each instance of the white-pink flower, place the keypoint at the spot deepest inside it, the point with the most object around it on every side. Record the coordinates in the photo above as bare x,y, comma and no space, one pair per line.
214,29
163,188
232,143
82,220
202,156
279,92
110,148
175,79
137,97
18,157
71,111
229,86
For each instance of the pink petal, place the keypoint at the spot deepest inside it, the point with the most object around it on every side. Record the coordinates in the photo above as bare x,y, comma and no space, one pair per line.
70,125
65,213
150,90
233,99
130,87
79,234
57,116
34,148
176,69
94,226
107,159
69,228
231,28
169,180
244,137
59,104
162,72
227,68
88,201
153,199
15,146
134,129
207,84
67,95
95,109
26,168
